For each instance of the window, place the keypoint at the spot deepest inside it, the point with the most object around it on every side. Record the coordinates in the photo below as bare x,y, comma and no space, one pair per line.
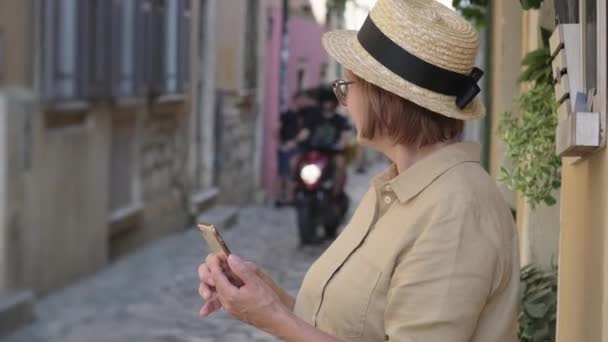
98,53
64,43
126,19
251,45
566,11
589,26
168,43
102,49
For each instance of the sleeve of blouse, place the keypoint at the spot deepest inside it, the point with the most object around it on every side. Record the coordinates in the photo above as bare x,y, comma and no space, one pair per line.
439,287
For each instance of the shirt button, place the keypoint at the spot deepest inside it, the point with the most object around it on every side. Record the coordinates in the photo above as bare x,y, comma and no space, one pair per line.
388,188
387,199
314,318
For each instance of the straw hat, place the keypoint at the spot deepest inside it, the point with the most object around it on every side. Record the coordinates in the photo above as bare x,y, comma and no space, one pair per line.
419,50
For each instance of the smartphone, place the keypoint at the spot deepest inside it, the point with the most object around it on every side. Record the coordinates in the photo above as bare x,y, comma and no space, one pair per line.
217,245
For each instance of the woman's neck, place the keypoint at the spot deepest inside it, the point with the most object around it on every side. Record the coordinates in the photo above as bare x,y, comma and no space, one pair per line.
405,156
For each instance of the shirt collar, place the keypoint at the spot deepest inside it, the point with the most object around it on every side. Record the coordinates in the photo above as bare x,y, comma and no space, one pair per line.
409,183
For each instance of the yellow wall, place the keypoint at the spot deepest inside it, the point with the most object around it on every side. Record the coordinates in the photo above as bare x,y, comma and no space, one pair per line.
16,30
583,270
506,47
583,264
230,20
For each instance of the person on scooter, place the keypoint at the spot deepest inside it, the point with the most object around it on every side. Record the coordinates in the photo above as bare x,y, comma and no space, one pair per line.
328,129
291,123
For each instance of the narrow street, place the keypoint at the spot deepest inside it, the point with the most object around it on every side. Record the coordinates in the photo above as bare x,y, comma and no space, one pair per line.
152,294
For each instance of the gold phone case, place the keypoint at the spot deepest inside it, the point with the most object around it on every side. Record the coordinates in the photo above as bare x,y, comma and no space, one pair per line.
214,239
218,246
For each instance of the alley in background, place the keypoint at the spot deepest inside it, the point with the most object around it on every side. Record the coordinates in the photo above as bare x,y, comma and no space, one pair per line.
152,295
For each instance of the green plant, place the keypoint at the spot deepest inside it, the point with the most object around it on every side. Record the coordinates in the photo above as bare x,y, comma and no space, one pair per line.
537,63
529,139
538,67
529,135
538,304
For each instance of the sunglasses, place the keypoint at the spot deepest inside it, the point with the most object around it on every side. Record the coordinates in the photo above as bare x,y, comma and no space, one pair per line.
340,88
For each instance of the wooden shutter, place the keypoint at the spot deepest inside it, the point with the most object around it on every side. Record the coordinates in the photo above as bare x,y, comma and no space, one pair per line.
251,45
64,36
144,53
125,20
98,48
154,44
171,51
184,49
566,11
163,52
590,44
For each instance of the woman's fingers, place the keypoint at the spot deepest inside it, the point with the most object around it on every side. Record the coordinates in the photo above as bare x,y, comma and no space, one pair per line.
204,274
242,269
215,260
206,291
210,307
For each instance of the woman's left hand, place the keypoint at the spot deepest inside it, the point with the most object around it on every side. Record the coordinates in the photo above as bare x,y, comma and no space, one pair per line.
255,303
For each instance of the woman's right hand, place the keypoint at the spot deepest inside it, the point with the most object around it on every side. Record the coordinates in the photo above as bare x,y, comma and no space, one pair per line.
207,286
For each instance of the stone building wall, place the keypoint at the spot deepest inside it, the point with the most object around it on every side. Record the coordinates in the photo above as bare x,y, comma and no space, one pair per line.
235,158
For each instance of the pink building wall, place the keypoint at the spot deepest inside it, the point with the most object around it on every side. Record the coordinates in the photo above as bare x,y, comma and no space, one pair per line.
305,50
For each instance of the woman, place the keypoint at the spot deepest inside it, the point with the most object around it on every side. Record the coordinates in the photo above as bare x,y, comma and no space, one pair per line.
431,253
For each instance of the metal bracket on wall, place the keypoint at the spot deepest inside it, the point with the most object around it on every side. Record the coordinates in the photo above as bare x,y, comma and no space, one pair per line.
579,129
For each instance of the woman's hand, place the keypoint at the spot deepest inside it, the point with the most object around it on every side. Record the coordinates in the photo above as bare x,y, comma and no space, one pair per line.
255,303
207,285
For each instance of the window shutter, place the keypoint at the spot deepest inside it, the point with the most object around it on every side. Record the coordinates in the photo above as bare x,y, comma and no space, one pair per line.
163,41
154,41
566,11
64,72
184,49
143,53
251,45
124,22
590,44
98,48
172,45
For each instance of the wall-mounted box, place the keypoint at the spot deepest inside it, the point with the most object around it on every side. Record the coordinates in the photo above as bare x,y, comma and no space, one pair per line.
578,130
579,134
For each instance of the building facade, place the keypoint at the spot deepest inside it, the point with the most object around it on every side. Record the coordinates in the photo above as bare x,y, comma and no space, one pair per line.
307,67
572,233
120,122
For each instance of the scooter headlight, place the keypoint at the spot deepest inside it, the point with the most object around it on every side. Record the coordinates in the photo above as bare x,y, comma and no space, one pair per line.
310,174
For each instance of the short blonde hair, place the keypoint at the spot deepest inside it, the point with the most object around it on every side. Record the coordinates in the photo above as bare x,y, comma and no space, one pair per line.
403,121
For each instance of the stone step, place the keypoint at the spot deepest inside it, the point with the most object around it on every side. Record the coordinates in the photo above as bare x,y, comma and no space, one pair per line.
205,200
16,309
220,216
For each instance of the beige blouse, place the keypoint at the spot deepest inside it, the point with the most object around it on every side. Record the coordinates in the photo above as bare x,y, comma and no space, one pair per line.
431,254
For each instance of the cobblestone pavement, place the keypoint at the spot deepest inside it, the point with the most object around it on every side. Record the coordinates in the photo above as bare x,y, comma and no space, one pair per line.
152,294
